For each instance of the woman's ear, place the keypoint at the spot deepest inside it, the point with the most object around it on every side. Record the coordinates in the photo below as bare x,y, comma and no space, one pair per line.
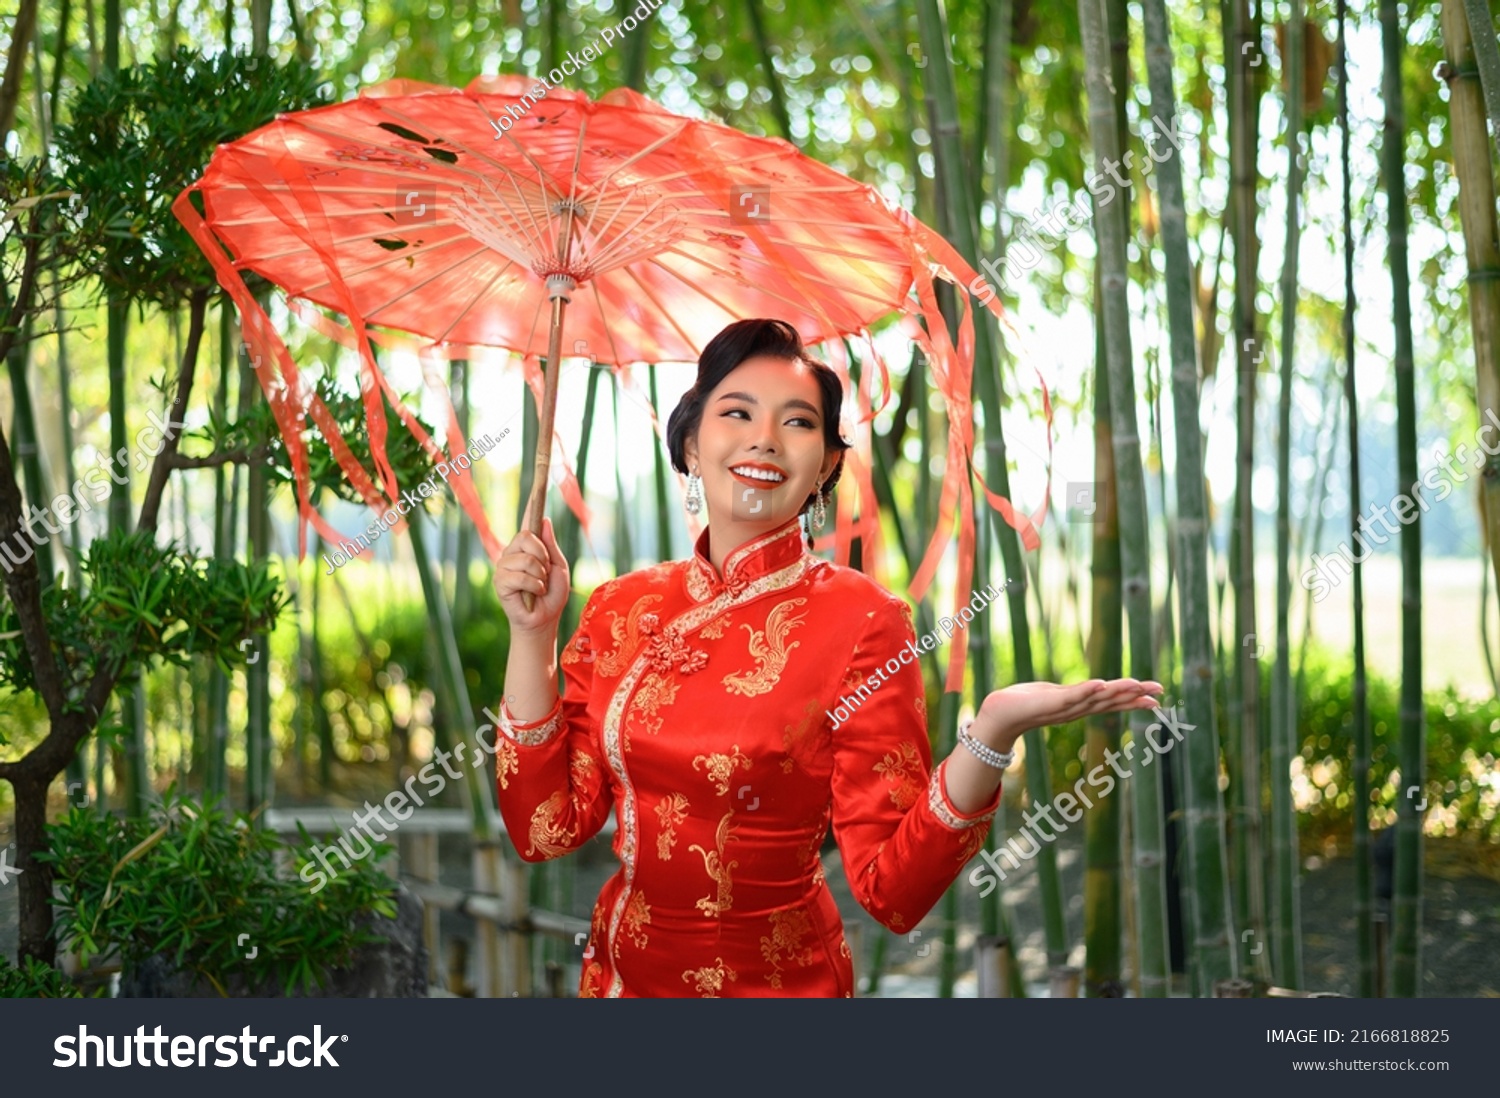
690,451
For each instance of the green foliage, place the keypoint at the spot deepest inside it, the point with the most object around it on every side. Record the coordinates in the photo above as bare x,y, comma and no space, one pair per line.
191,882
139,136
144,602
408,459
1463,746
1463,751
34,980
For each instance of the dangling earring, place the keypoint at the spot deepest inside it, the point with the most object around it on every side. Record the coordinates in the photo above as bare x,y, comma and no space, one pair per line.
693,501
819,511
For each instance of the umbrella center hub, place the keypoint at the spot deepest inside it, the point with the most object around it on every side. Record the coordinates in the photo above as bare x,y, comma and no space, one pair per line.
578,235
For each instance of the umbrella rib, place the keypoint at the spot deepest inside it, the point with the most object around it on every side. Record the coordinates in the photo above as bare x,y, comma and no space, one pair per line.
534,234
541,304
473,300
600,187
647,151
369,236
609,335
619,207
772,154
884,260
414,287
397,258
563,244
465,146
664,311
725,215
801,307
395,150
618,242
538,237
842,290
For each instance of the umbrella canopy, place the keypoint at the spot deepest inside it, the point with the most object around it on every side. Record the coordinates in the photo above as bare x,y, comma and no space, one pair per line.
465,216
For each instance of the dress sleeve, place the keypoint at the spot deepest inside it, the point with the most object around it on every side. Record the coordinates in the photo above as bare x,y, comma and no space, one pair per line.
902,841
554,795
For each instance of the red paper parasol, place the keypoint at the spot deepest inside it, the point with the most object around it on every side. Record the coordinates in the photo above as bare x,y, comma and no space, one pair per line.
467,217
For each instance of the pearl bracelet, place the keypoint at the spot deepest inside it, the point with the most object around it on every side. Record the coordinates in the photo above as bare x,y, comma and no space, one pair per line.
984,752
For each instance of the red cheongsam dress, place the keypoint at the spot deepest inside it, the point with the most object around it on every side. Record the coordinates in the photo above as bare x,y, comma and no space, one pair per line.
701,711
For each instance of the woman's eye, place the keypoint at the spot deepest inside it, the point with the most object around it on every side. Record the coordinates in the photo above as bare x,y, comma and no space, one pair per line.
739,411
802,420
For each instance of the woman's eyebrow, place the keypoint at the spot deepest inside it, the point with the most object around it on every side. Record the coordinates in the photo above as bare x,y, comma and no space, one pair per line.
795,402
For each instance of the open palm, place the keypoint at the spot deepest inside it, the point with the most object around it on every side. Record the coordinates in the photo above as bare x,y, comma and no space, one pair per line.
1027,705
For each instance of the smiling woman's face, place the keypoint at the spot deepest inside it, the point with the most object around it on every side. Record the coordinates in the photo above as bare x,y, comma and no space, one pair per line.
759,447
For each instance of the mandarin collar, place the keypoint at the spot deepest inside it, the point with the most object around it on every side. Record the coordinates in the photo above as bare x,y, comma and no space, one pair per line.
760,556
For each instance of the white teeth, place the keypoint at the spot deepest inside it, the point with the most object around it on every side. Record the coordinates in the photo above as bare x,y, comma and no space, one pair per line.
759,474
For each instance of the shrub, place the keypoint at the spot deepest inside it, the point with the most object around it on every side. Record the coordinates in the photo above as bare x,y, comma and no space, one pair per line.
202,889
34,980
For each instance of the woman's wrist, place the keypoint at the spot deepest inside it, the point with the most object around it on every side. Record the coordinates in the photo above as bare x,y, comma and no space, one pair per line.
992,732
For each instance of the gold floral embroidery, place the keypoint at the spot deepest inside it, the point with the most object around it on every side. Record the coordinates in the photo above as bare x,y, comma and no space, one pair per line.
714,630
627,635
655,692
718,869
788,928
898,921
505,760
671,810
844,948
637,914
709,980
853,678
577,650
613,730
972,841
819,876
901,769
921,705
800,740
769,649
547,835
817,827
720,768
593,976
581,765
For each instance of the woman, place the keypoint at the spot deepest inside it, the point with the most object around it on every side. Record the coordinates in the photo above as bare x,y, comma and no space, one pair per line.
698,709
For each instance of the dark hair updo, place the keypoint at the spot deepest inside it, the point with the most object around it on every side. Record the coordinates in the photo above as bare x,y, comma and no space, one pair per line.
745,339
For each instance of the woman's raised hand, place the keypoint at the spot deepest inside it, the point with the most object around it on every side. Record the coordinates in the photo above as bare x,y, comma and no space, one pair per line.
535,565
1017,709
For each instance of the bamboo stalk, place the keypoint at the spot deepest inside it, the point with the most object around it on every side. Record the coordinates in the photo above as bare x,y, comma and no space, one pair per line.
463,548
1393,153
624,554
1101,874
987,385
1208,920
1286,936
1121,541
659,477
1487,57
1250,351
768,67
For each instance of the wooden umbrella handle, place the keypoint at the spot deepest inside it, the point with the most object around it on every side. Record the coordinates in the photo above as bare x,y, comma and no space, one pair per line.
536,503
